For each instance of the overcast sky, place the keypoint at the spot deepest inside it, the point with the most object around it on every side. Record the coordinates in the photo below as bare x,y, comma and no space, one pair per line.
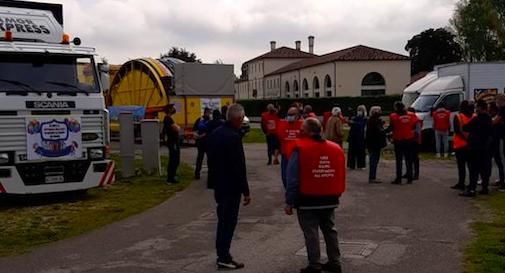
237,30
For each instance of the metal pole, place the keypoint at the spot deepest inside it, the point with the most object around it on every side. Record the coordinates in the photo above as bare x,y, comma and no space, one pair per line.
150,129
126,144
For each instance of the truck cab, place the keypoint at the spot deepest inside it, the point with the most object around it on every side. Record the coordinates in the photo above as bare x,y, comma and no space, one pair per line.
53,123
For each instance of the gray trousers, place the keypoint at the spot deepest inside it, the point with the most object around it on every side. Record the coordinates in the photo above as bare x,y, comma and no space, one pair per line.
442,139
311,220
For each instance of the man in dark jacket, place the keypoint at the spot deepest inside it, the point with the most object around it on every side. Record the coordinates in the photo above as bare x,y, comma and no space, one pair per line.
171,132
480,130
200,131
228,178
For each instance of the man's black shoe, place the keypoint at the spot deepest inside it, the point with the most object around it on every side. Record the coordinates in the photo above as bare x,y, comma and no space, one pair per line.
310,270
230,265
467,194
404,176
172,181
396,182
416,177
409,181
197,176
484,192
329,267
458,187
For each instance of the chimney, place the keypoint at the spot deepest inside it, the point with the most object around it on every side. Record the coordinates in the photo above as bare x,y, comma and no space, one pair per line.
311,44
298,45
272,45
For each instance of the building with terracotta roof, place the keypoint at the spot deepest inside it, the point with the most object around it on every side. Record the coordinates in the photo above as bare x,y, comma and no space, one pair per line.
292,73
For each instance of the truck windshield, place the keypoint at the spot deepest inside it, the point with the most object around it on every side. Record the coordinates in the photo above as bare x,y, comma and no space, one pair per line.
425,103
47,73
409,97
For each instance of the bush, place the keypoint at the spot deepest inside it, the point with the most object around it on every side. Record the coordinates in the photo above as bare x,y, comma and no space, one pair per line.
254,108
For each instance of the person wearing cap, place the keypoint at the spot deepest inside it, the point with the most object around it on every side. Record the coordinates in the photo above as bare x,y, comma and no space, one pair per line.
269,122
171,132
200,133
316,180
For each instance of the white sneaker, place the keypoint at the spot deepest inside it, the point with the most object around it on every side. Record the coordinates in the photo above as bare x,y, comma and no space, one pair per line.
438,155
446,155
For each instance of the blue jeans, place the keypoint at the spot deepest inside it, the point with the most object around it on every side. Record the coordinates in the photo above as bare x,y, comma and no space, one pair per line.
284,166
374,157
442,141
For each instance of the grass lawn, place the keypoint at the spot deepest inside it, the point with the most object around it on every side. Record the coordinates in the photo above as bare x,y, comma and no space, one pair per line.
486,251
255,135
32,221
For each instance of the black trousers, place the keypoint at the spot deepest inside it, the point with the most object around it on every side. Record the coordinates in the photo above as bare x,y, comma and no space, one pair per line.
227,215
415,159
404,150
480,164
356,155
174,159
200,146
462,160
497,156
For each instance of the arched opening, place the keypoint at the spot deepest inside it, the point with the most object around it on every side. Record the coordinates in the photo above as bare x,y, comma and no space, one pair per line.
296,89
327,86
315,87
305,86
287,91
373,84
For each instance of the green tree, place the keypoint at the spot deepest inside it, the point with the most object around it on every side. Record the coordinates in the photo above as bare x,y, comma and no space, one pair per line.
433,47
480,29
182,54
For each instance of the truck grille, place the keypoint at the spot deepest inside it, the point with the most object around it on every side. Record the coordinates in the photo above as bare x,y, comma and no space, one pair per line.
13,135
35,173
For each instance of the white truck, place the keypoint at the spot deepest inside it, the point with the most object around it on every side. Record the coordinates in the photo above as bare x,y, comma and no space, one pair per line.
53,120
450,84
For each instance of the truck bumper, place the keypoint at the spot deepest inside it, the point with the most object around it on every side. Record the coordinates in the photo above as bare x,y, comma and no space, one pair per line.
98,174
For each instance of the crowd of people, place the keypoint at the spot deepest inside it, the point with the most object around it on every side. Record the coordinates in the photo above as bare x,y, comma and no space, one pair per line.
313,163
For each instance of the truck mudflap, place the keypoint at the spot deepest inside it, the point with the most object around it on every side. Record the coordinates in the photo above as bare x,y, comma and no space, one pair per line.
99,174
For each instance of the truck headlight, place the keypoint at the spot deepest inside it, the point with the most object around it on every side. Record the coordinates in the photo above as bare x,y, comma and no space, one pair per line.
96,154
4,158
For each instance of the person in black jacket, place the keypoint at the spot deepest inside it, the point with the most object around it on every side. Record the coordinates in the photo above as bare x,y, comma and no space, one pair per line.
228,178
171,132
480,130
200,133
375,141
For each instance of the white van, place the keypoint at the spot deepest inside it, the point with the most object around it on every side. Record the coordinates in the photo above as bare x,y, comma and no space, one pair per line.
53,121
450,84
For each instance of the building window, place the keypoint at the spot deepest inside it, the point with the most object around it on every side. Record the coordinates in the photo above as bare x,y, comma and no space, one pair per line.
296,88
305,86
315,86
327,85
373,84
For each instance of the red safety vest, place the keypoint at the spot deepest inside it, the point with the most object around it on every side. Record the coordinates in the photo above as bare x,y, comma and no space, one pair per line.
269,122
321,168
441,120
403,126
458,142
288,133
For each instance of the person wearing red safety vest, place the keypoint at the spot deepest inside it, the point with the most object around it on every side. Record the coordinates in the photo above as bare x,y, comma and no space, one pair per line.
316,180
269,121
459,142
288,131
403,126
441,125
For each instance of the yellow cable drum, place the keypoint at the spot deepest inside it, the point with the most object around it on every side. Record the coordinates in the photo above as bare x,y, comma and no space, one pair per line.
142,82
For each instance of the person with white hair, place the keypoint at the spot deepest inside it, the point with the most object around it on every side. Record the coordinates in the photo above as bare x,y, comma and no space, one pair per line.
334,127
228,178
375,141
356,154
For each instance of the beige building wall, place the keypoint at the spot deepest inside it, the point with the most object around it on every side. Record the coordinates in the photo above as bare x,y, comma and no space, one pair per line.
319,71
241,90
272,86
349,76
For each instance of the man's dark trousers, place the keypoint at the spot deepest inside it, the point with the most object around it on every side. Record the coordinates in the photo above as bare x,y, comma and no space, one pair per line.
174,158
463,164
404,149
200,146
480,164
227,214
311,220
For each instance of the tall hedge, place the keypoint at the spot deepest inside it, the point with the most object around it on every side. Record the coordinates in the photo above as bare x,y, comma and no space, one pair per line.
254,108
